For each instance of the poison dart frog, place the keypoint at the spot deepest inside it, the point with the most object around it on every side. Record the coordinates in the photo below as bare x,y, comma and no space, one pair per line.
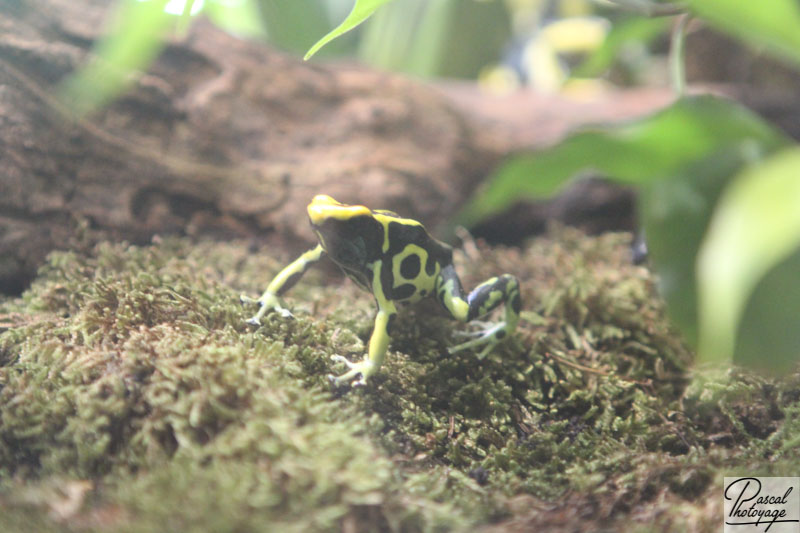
398,262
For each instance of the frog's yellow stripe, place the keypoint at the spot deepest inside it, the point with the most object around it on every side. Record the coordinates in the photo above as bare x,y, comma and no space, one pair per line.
385,220
323,207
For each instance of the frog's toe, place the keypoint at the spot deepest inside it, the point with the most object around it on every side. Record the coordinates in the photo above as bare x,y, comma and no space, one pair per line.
471,344
486,350
483,324
482,328
476,334
245,299
360,370
285,313
489,337
336,358
265,307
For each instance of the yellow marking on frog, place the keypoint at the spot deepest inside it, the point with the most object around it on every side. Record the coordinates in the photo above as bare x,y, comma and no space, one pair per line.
381,216
491,301
323,207
457,307
422,280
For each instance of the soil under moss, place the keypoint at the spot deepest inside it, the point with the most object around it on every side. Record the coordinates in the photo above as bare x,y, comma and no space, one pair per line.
135,398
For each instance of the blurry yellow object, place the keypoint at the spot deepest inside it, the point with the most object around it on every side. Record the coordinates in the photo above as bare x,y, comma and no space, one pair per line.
585,89
575,8
544,68
577,35
499,79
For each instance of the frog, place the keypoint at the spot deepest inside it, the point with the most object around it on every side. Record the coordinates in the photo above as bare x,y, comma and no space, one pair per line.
400,263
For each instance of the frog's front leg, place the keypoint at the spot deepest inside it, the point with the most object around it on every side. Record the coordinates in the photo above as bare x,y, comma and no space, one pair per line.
285,280
378,342
485,297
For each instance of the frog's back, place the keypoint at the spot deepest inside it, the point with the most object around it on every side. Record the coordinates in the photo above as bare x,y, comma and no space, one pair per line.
400,232
412,259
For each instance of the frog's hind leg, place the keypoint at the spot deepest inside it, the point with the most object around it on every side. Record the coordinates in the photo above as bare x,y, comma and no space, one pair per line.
483,299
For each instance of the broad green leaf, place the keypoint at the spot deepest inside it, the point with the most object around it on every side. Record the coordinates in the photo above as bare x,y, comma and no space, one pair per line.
755,227
637,152
773,24
362,10
624,33
134,39
675,213
768,336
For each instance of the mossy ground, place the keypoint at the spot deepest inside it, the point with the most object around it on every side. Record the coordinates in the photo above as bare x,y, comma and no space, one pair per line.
134,398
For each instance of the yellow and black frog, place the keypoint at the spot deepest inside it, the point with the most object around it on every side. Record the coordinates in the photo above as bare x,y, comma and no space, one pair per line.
398,262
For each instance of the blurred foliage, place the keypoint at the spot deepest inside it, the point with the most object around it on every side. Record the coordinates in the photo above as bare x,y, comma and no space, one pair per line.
772,24
134,39
626,33
638,152
719,201
756,227
513,41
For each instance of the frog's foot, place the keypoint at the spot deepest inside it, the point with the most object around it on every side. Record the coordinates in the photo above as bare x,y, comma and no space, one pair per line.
364,368
246,300
482,327
267,303
490,337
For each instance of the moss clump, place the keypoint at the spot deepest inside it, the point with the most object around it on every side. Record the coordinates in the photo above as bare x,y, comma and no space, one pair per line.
136,399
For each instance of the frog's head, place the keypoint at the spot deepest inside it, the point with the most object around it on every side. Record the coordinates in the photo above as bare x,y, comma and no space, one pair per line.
349,233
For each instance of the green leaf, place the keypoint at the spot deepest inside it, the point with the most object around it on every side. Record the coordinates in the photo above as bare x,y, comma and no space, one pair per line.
675,214
362,10
768,336
773,24
134,39
756,226
637,152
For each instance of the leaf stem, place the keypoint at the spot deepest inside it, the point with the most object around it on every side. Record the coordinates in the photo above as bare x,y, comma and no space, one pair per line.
677,63
646,7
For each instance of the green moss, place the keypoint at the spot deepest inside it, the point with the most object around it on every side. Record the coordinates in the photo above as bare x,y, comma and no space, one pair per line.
135,398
